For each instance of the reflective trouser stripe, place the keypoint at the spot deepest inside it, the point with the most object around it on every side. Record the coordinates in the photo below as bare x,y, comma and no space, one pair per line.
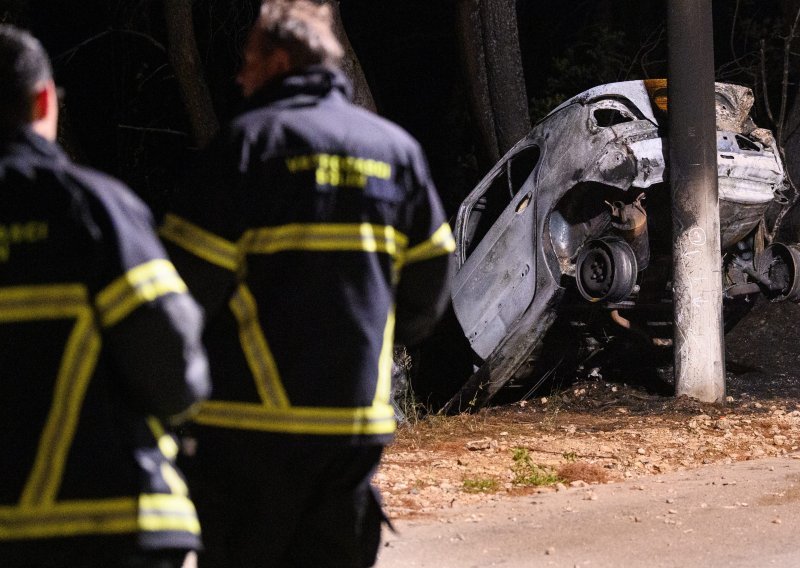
150,513
378,419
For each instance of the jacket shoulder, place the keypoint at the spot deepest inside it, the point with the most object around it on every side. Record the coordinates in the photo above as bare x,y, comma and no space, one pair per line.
110,193
389,139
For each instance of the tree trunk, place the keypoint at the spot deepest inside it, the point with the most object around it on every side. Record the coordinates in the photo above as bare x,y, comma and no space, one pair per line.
185,59
489,45
791,127
791,139
362,95
788,222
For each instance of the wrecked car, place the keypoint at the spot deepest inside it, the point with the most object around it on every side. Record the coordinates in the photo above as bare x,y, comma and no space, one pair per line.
564,247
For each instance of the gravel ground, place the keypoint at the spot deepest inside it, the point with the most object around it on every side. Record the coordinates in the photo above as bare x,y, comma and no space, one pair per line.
597,432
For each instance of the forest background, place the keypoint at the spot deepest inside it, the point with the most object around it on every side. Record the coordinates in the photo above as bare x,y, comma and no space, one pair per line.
148,82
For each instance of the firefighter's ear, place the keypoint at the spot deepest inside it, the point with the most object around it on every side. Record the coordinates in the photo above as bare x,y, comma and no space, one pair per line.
41,103
44,110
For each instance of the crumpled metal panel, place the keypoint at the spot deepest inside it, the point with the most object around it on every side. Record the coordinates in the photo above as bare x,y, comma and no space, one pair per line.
607,137
748,172
733,104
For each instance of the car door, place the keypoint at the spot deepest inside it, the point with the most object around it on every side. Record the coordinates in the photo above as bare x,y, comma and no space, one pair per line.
496,244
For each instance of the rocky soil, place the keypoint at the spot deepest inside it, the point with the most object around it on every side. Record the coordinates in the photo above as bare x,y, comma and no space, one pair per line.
595,431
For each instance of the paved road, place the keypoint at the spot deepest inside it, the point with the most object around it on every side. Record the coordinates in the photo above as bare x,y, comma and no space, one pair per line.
744,515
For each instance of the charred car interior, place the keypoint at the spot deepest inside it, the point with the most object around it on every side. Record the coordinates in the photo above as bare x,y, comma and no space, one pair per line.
564,248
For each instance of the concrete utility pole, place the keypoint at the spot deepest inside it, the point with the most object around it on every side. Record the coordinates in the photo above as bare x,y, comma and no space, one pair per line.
697,282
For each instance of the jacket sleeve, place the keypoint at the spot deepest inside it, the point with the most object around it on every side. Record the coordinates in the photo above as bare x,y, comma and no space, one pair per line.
203,225
159,353
423,291
151,325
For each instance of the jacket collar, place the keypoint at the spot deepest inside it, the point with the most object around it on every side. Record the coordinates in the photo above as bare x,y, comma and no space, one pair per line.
25,140
316,81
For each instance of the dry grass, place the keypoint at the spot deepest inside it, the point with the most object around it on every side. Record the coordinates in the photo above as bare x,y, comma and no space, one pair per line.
597,432
582,471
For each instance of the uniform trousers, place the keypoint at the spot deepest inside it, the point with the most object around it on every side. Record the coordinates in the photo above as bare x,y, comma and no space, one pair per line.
91,552
284,501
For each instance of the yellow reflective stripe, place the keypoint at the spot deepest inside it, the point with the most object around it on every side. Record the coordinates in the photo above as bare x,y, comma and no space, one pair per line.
173,479
441,242
383,389
204,244
364,237
166,443
108,516
162,512
80,357
75,371
169,448
38,515
103,516
256,349
377,419
155,523
23,303
138,286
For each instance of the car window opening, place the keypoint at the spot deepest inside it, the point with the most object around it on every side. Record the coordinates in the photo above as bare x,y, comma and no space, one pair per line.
522,166
605,117
488,207
485,211
745,144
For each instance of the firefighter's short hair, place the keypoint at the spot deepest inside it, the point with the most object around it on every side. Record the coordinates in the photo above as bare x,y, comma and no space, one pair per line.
24,64
303,28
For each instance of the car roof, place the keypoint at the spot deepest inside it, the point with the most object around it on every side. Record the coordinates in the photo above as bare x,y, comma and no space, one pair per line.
634,91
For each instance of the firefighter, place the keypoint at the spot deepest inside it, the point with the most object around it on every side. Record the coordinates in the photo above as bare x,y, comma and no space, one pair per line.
314,237
100,352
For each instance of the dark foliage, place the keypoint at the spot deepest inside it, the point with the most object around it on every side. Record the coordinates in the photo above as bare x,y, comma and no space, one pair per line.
123,112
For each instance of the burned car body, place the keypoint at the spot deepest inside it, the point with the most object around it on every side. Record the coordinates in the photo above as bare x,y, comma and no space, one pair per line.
573,225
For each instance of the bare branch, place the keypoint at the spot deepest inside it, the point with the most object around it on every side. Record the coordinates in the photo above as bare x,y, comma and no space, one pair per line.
733,28
150,129
71,52
764,82
654,42
787,49
788,206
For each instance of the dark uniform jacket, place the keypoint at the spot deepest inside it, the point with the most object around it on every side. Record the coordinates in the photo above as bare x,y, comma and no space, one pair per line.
99,342
313,235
